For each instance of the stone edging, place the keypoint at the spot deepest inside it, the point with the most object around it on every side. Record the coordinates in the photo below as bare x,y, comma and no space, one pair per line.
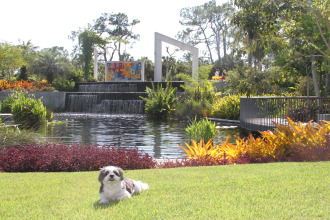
225,120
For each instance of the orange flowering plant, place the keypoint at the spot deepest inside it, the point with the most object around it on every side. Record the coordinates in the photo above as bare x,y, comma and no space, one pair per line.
26,85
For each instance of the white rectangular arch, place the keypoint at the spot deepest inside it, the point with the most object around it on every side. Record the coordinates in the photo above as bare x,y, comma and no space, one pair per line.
159,38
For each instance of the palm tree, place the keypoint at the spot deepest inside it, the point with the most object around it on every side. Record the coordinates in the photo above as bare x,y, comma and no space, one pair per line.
29,53
50,63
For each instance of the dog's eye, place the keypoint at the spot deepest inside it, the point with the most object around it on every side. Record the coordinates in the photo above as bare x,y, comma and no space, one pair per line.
106,173
116,173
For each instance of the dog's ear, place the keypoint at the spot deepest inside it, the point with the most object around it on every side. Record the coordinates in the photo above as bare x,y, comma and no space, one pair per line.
102,175
121,173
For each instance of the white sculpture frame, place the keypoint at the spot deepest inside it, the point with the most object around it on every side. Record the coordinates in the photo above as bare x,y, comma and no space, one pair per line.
159,38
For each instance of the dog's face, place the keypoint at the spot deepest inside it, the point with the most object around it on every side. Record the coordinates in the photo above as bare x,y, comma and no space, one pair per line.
110,174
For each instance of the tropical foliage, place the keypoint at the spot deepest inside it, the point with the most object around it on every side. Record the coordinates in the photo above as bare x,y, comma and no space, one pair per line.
200,150
198,94
202,129
160,101
51,63
27,111
11,59
227,107
87,40
270,146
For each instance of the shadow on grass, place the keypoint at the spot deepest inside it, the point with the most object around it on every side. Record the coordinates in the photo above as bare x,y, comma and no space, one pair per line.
97,205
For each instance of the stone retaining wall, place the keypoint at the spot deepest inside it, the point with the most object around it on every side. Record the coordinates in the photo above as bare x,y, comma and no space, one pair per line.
54,101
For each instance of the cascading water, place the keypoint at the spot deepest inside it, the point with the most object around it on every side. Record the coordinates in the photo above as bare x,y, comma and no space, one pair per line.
108,88
116,98
120,107
111,97
81,103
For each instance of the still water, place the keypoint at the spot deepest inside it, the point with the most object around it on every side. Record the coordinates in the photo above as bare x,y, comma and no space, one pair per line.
159,139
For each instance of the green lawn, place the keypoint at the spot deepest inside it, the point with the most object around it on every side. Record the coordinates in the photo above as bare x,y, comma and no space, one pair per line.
257,191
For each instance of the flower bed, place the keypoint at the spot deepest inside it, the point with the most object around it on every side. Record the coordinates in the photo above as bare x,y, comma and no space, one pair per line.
26,85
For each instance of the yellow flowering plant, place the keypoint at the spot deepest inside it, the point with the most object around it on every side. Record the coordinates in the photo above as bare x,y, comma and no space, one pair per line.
270,145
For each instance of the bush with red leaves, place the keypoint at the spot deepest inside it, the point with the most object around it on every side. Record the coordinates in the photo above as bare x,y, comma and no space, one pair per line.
70,158
307,154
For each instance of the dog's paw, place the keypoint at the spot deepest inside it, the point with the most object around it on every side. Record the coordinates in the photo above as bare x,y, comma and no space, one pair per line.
103,202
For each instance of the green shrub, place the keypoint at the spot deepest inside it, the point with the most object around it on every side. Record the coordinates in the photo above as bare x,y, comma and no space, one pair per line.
28,113
7,103
160,101
64,85
198,94
202,129
227,107
251,82
189,108
13,136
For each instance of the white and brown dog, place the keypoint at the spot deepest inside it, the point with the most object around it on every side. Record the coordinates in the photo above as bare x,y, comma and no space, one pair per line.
114,186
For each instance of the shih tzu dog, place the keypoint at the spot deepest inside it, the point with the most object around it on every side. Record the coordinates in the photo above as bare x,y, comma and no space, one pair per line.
114,186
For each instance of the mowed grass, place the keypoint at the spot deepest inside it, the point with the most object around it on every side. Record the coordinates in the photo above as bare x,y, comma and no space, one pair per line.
256,191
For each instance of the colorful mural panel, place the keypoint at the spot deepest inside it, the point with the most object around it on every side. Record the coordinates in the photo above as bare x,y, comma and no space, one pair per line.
121,71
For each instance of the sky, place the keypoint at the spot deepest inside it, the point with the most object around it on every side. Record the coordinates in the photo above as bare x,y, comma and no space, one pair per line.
48,23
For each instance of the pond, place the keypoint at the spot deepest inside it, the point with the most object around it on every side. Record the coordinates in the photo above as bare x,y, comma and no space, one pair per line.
159,139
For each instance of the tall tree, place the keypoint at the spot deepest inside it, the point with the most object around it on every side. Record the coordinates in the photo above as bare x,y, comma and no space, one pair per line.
87,40
198,26
29,54
320,12
117,30
301,25
51,63
308,23
108,33
219,16
207,24
11,59
258,20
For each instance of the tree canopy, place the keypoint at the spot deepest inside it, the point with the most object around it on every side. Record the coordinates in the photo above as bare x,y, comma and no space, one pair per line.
108,33
10,60
265,46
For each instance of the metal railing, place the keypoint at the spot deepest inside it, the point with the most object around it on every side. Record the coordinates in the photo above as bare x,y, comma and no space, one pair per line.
259,113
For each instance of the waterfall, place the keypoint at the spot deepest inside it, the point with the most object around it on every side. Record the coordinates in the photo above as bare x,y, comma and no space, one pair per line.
115,98
120,107
81,103
130,87
89,103
111,97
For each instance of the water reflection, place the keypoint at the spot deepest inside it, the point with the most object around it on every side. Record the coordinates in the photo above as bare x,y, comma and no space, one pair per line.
157,138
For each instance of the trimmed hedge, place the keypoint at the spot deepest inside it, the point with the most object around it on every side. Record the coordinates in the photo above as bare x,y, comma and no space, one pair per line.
71,158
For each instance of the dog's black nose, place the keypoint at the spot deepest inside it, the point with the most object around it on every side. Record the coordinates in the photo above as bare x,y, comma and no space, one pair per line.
112,176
